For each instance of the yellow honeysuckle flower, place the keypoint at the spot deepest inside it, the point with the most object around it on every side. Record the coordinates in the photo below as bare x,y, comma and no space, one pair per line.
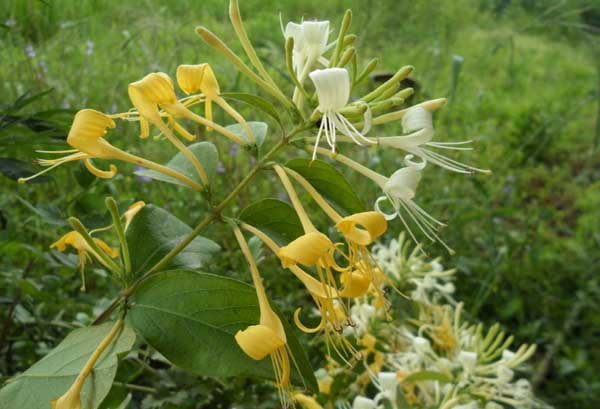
84,250
132,211
307,402
87,137
156,90
71,399
333,313
268,337
359,230
201,78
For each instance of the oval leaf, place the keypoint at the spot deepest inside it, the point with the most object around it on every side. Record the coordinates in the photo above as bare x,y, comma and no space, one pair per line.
256,102
259,129
52,376
207,154
191,318
330,183
154,232
274,217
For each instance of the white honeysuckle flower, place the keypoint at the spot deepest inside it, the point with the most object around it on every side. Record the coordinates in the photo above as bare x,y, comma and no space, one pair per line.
387,383
310,43
360,402
333,90
400,189
417,124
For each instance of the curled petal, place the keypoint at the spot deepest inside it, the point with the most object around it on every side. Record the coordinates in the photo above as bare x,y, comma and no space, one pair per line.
388,216
363,228
303,327
258,341
103,174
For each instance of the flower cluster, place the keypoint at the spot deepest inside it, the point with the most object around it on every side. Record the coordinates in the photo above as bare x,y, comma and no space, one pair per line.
433,357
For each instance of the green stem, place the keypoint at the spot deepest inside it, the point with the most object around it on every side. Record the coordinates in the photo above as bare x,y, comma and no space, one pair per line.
114,213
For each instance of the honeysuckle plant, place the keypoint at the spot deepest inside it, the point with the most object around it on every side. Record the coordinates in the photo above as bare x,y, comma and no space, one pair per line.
212,325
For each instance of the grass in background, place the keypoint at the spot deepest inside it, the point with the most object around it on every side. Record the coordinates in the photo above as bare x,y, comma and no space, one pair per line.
522,78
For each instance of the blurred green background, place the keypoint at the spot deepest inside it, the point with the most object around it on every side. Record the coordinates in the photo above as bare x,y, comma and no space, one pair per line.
523,81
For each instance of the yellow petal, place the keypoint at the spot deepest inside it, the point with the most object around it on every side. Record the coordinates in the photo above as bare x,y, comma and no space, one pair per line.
132,211
307,402
307,250
355,284
258,341
87,132
103,174
189,77
363,228
156,87
107,249
210,86
72,238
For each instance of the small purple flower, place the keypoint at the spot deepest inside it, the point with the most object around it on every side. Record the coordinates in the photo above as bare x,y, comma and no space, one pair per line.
221,168
234,149
11,22
142,178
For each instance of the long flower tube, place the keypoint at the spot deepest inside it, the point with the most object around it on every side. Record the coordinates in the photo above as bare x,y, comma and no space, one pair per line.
399,190
201,78
333,313
215,42
87,137
268,337
72,398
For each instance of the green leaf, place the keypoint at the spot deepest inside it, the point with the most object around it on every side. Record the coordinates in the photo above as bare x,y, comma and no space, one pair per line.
274,217
191,318
48,213
154,232
427,376
256,102
330,183
52,376
259,129
15,169
206,152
